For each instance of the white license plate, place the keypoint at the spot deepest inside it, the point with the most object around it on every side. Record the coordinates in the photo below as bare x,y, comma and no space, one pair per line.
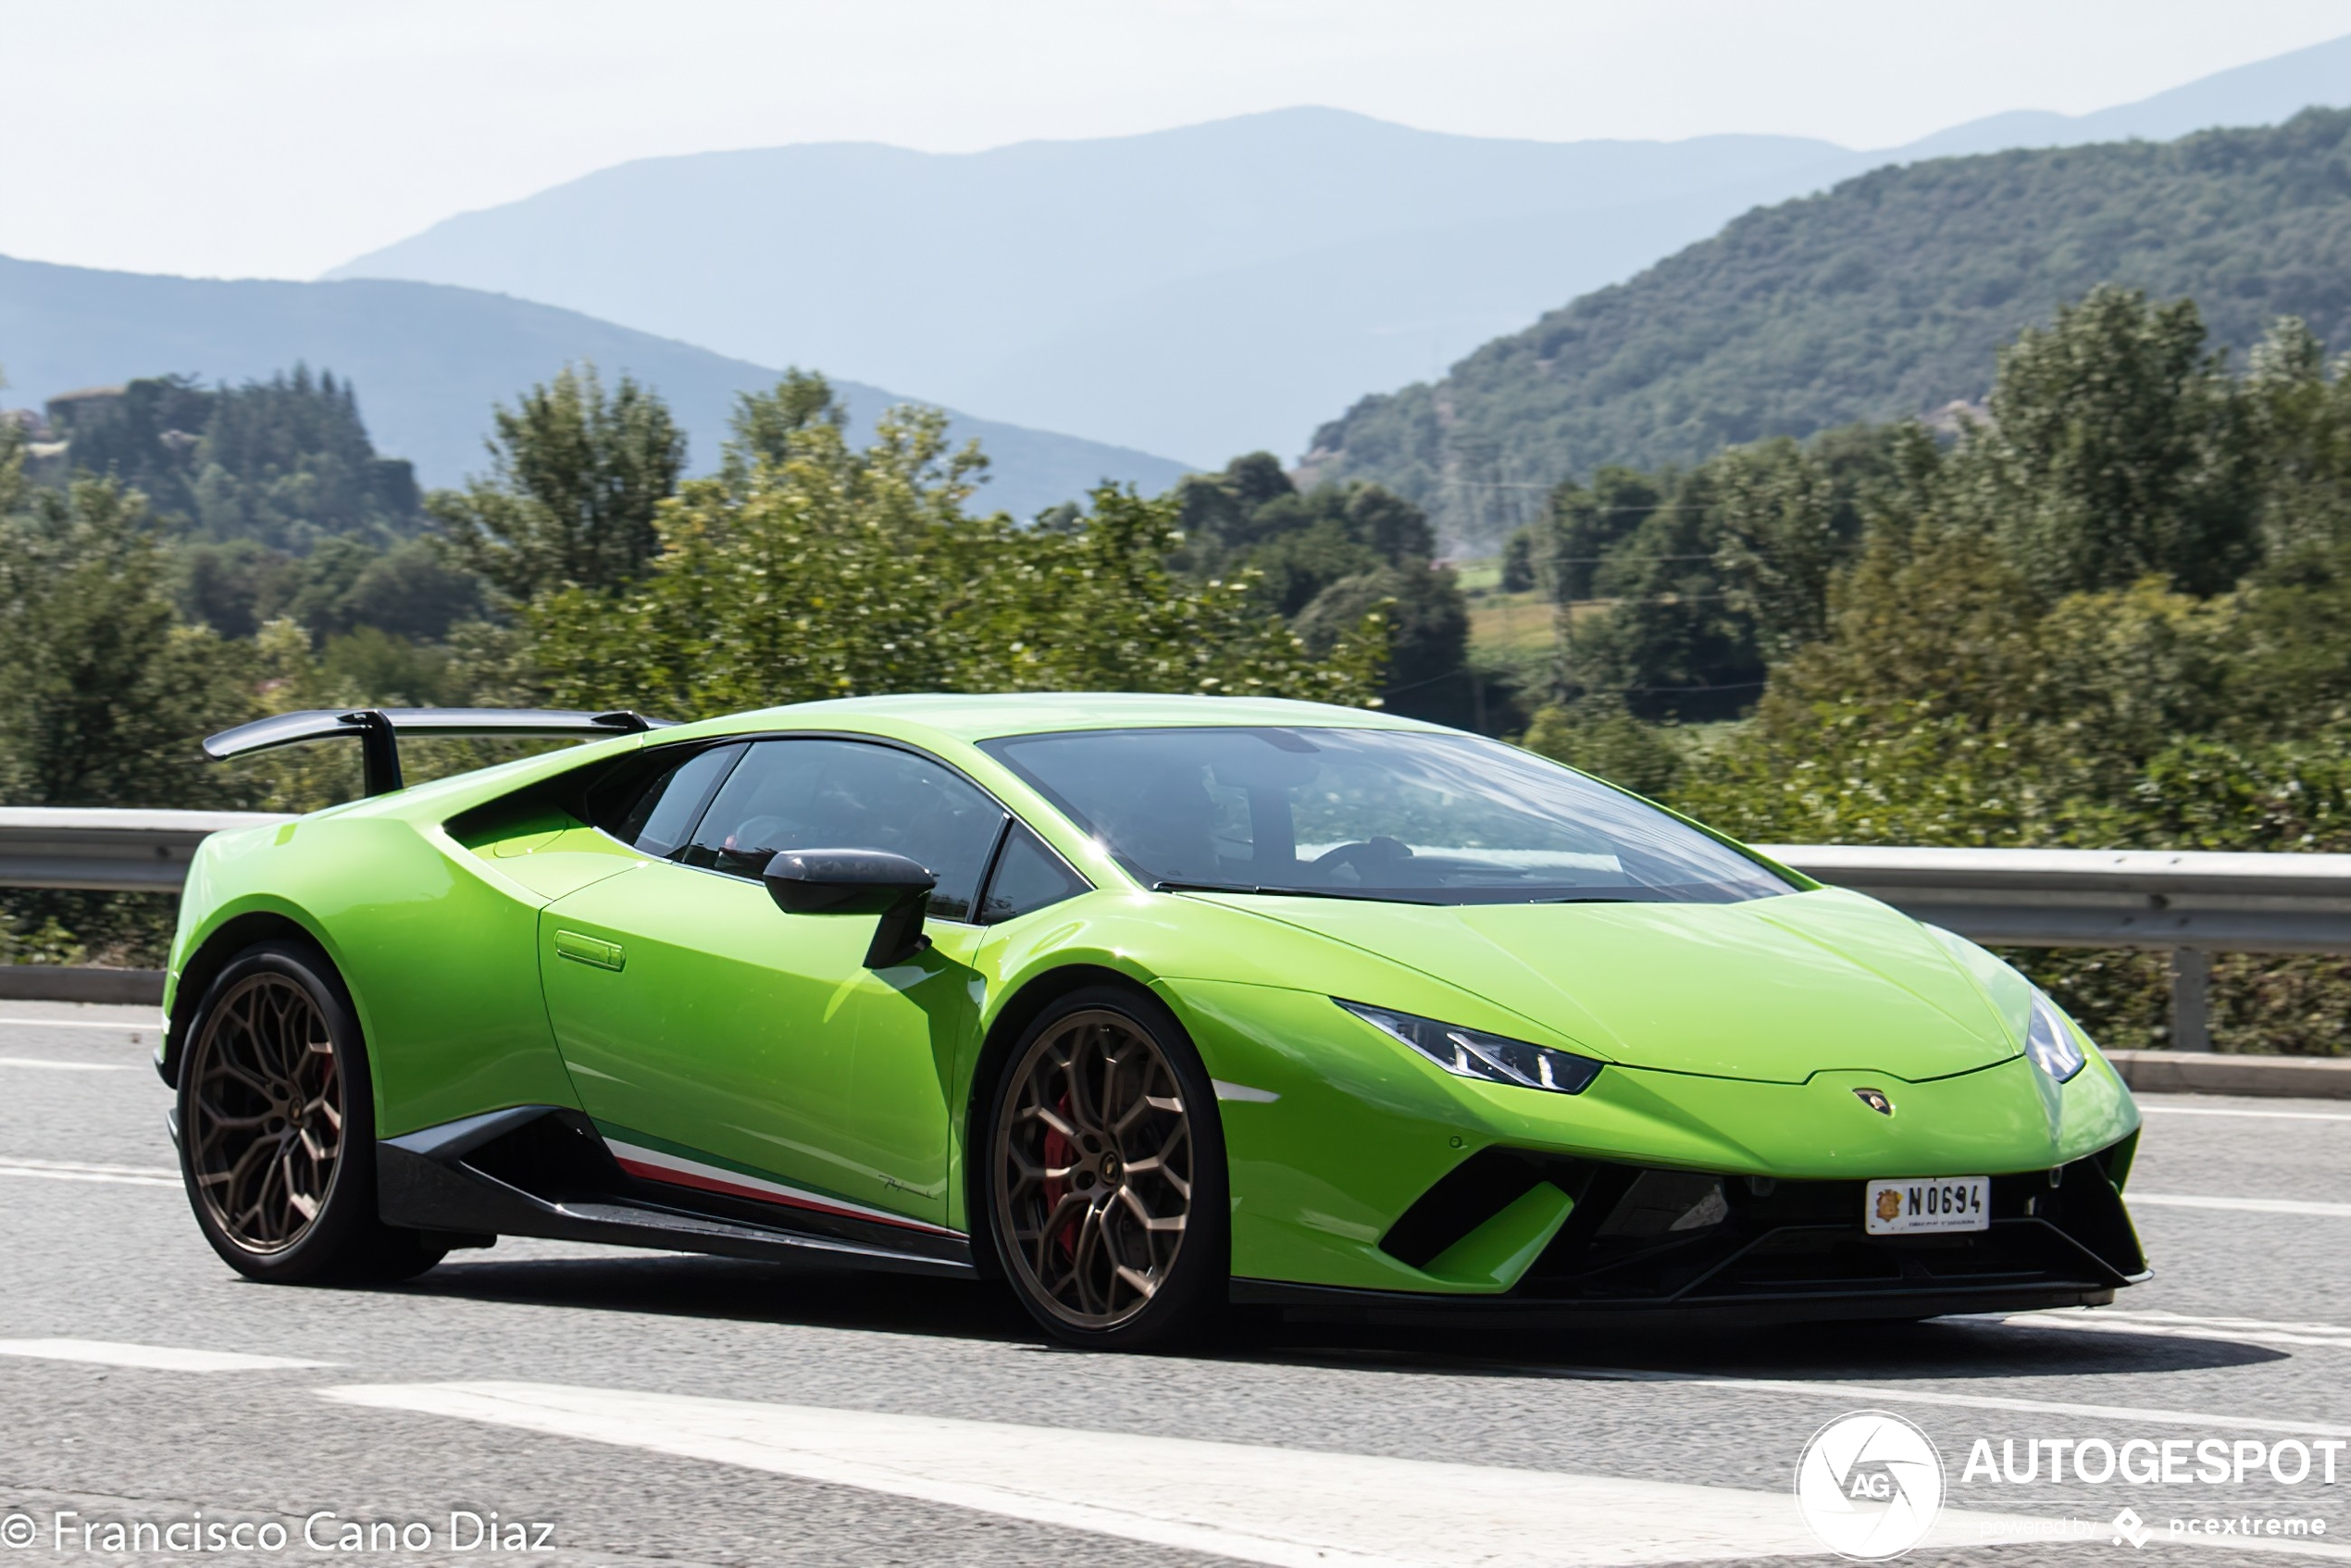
1919,1206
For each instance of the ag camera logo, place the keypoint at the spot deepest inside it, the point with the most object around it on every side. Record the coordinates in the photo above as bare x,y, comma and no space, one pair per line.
1870,1485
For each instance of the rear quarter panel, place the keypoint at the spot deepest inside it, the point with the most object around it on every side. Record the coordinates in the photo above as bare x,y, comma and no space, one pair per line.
437,945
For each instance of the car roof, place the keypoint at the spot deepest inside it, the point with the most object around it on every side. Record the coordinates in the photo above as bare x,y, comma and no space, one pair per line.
980,717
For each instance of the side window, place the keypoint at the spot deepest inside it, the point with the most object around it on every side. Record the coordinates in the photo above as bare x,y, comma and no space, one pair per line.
665,809
850,795
1029,875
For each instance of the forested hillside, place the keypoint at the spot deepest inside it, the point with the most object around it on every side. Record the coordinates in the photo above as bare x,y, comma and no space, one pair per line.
284,462
1884,298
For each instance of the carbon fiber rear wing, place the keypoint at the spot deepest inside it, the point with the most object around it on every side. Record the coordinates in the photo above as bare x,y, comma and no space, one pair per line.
379,731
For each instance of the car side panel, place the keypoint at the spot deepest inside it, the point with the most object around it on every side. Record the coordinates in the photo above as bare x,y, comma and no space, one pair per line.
716,1022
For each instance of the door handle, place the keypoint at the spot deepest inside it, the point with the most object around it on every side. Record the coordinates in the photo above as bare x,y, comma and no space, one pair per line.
593,951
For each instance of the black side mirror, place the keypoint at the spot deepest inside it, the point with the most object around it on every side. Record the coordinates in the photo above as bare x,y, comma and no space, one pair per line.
858,882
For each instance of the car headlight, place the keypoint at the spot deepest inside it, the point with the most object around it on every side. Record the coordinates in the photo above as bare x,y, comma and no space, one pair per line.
1472,1053
2050,1042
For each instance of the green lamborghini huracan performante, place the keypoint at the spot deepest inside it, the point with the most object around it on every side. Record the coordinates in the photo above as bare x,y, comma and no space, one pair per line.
1144,1005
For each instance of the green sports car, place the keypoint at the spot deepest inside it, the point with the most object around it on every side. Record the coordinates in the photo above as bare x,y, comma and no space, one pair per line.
1145,1004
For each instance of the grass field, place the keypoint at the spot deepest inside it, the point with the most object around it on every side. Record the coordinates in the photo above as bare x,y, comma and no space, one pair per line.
1510,623
1510,628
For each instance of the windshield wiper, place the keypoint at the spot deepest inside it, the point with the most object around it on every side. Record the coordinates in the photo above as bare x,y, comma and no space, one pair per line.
1285,892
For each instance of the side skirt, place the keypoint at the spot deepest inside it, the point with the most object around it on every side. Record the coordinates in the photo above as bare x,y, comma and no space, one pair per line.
543,1171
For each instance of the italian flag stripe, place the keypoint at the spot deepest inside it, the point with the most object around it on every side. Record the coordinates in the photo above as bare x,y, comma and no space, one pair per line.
649,1163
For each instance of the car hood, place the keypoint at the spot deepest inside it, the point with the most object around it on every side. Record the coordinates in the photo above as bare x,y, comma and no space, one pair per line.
1774,989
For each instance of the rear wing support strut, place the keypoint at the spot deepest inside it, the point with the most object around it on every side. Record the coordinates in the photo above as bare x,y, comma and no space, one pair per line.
379,731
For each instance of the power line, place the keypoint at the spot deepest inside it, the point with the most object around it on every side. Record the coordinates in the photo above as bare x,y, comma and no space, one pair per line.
1550,607
1647,599
1664,691
1600,690
1603,560
1579,511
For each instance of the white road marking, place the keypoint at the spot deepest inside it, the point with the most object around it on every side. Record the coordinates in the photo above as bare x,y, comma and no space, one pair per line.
2266,1115
2106,1320
1863,1394
82,1024
2238,1205
68,1066
154,1358
1288,1507
62,1170
8,1170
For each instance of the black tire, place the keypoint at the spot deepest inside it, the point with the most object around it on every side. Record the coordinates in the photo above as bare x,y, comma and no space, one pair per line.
277,1127
1088,1251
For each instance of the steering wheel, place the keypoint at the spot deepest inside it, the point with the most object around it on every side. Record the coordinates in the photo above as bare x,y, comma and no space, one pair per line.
1365,852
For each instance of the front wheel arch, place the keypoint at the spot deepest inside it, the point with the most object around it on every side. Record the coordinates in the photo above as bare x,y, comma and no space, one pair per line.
1011,1021
1201,1283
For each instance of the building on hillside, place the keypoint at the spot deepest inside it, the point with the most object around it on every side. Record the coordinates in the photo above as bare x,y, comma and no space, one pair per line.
67,409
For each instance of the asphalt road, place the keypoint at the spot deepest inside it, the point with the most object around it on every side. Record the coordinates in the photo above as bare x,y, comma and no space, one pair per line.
646,1408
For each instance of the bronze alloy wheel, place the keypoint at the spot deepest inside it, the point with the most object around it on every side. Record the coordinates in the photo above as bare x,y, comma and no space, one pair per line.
1095,1175
264,1113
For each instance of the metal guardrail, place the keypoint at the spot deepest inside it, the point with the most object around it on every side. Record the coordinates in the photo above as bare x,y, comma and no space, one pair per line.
109,850
2189,903
2157,900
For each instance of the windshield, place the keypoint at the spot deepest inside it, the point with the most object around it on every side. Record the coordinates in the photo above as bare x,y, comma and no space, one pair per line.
1406,816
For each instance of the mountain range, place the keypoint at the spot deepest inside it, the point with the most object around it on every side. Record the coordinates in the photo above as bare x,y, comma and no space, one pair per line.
429,360
1887,297
1204,290
1196,291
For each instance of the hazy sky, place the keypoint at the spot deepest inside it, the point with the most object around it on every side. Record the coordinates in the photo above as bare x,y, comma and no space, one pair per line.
277,138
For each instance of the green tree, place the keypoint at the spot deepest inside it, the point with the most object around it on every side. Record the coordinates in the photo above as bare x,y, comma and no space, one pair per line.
107,697
1219,512
1324,559
2119,448
576,479
2300,408
1428,663
1671,641
11,461
808,568
285,462
1674,588
413,591
1585,522
1601,735
1786,527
